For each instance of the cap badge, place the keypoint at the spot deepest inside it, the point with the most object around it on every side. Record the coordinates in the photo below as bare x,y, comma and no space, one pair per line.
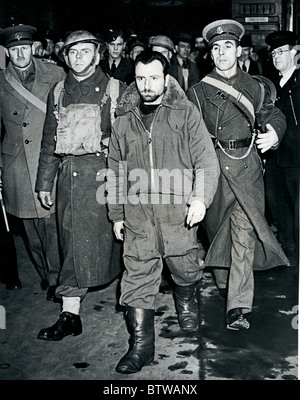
220,30
18,36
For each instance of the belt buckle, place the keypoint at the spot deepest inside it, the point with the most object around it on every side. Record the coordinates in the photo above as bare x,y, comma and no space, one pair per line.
232,144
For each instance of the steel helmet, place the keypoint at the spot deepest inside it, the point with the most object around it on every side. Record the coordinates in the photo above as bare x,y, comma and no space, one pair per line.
79,37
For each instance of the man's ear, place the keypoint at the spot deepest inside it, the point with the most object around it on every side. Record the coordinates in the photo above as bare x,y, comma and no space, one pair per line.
238,51
167,77
293,52
67,60
6,52
97,58
176,48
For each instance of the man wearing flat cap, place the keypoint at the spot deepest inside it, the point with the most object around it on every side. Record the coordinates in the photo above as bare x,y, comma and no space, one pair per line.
24,87
181,68
282,167
232,103
163,44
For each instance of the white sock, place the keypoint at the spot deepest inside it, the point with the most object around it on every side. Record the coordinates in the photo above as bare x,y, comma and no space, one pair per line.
71,304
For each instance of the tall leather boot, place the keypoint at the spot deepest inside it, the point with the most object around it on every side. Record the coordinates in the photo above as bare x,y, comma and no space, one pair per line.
141,342
187,306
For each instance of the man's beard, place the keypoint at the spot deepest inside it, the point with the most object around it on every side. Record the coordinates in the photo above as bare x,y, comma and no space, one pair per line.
149,96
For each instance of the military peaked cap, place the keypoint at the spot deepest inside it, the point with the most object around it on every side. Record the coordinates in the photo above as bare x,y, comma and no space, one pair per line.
223,29
17,35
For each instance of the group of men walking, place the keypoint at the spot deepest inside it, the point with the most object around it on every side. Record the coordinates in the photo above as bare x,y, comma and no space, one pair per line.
169,158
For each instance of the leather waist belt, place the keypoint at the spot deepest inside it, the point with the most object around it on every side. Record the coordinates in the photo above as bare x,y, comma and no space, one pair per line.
233,144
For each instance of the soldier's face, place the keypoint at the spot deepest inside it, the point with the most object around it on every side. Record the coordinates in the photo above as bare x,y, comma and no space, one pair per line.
20,56
224,54
150,81
82,59
115,48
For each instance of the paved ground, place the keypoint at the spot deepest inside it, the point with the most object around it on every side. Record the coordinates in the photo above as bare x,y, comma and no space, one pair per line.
268,351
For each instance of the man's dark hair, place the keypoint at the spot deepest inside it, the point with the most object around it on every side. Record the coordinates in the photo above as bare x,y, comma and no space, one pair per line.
147,56
237,43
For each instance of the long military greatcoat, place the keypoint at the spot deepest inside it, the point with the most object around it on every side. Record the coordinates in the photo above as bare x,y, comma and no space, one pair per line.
241,180
20,149
90,254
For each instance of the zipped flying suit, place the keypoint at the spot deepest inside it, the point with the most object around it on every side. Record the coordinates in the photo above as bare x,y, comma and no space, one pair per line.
154,211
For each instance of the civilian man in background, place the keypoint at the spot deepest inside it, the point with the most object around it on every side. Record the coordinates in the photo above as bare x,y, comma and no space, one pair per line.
163,44
245,61
182,68
282,166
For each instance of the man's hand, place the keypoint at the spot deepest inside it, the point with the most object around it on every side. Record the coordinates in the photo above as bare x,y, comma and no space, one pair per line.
196,213
118,230
267,140
45,199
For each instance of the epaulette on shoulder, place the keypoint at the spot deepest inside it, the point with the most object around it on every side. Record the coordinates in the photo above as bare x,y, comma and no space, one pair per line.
48,61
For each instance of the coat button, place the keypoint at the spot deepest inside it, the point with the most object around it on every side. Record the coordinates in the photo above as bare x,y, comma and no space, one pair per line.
75,174
227,167
15,112
24,124
27,141
220,128
245,166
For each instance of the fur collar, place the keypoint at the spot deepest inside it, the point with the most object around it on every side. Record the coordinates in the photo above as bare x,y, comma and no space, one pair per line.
174,97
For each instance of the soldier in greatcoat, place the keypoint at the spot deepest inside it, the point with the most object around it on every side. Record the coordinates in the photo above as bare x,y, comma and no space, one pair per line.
75,140
24,87
233,103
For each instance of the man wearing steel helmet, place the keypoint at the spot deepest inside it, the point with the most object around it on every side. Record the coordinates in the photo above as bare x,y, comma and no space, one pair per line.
240,238
76,134
24,87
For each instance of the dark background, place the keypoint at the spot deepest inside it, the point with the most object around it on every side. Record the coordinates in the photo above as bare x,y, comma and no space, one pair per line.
140,16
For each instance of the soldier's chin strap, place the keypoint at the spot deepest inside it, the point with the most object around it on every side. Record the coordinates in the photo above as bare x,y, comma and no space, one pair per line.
82,73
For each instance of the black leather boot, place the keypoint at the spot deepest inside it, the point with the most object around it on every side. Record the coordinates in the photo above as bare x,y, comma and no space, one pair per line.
68,324
187,306
141,342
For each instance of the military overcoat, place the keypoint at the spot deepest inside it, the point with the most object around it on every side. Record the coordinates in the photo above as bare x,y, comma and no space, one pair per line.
91,256
23,124
241,179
